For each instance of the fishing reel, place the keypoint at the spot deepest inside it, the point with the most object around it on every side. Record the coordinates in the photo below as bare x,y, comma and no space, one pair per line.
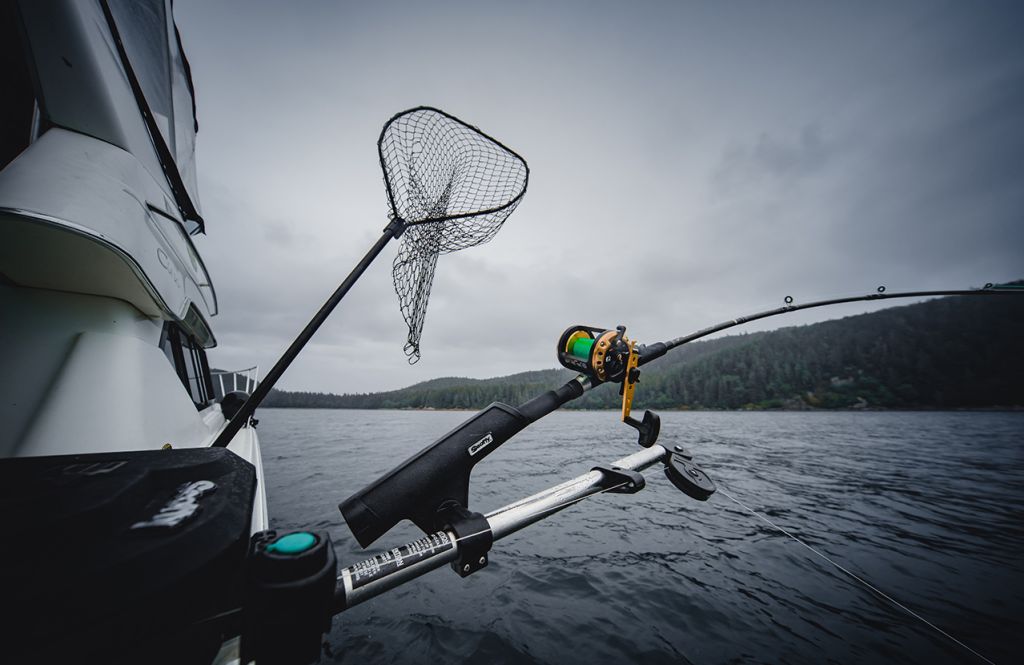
603,355
608,356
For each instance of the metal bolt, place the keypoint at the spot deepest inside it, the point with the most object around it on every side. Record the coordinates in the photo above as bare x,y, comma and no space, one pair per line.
465,568
483,560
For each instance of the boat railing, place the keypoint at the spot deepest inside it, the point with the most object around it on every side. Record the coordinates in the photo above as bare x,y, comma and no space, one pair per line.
228,381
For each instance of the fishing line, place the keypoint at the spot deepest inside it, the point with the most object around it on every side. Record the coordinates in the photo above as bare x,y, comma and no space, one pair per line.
861,580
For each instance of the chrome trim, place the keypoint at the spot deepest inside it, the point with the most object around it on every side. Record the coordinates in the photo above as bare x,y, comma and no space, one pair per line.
250,375
515,516
99,238
215,310
400,576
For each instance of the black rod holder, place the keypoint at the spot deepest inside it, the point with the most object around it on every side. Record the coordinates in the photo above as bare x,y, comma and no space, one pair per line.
393,230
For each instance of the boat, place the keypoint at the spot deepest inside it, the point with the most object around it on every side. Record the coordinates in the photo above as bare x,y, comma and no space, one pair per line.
109,401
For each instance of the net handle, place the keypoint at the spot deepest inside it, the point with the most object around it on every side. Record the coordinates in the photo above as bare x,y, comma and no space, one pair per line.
241,418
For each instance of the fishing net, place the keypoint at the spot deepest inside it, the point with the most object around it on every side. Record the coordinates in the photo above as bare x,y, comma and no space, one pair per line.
454,186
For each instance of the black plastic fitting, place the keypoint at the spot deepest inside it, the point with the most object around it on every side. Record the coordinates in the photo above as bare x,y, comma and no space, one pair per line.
437,476
473,536
289,597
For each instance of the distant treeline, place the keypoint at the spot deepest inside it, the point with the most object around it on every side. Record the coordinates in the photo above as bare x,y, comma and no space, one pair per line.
958,352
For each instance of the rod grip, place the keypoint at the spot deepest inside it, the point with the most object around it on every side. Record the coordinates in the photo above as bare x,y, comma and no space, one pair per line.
542,405
652,352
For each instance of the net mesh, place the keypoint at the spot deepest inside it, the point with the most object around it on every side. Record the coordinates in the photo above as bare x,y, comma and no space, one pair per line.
454,186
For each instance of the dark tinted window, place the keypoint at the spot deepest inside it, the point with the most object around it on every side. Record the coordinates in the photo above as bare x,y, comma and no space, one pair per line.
153,47
189,361
142,25
16,91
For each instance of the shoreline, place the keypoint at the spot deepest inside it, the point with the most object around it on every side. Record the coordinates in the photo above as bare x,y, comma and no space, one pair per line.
877,409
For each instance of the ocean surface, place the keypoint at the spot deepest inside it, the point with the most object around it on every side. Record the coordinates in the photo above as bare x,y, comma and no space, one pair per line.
927,507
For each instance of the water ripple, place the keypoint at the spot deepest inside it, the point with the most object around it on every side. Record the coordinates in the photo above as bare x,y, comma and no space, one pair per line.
926,506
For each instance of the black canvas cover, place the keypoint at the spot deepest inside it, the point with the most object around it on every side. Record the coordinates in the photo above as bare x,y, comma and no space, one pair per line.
119,557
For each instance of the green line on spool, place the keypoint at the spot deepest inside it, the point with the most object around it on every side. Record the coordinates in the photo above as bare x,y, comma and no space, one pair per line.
581,348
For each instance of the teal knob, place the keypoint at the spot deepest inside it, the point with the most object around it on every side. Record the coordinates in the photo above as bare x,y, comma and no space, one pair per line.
293,543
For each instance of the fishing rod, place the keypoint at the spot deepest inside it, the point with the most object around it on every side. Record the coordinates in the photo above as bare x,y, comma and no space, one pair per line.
880,294
432,486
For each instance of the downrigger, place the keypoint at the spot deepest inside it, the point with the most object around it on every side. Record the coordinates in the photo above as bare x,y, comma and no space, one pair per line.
431,489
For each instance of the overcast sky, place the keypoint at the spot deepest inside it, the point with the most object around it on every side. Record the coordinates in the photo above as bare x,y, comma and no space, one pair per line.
690,162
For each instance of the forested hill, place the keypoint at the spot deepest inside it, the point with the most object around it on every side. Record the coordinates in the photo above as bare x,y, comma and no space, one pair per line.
944,353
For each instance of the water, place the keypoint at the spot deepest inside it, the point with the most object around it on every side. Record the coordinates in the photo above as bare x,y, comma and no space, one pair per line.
925,506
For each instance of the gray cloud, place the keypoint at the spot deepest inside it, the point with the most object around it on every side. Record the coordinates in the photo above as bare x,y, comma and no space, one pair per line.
688,163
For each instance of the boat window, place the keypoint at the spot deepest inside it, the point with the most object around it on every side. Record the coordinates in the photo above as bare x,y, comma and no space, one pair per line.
185,123
194,354
154,55
18,107
189,361
142,25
